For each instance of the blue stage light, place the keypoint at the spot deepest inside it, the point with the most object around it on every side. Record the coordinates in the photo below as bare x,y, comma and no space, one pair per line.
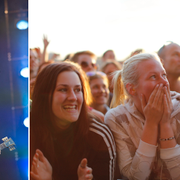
25,72
26,122
22,24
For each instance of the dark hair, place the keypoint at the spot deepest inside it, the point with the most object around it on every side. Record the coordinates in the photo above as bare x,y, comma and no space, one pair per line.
106,52
41,128
108,62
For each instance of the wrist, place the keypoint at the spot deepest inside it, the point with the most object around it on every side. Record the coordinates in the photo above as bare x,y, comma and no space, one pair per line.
151,124
166,125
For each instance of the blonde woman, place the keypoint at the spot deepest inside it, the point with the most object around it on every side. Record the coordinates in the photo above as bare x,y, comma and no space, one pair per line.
145,120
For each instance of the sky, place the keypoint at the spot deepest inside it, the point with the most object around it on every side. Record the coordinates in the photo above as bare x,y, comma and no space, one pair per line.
99,25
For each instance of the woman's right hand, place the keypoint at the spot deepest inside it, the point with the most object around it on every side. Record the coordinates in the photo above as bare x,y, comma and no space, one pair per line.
153,110
84,172
41,169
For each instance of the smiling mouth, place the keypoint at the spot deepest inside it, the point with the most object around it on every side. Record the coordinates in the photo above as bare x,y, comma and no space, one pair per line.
70,107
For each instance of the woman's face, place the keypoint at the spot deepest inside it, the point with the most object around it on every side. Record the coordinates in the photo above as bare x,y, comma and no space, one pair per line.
67,99
108,71
151,73
99,90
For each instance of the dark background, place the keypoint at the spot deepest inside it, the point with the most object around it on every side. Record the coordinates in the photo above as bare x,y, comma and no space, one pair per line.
13,90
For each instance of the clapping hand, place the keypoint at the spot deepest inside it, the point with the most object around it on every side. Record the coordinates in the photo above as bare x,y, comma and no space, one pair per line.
84,172
41,168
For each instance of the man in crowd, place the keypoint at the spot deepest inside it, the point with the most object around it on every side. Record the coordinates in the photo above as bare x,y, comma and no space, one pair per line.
86,59
170,57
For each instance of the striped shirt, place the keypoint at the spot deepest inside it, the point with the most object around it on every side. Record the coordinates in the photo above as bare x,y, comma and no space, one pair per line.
98,147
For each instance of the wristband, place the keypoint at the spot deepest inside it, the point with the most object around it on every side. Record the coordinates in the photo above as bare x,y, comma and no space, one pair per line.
166,139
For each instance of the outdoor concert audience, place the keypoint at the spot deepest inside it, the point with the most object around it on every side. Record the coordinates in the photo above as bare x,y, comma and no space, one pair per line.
71,100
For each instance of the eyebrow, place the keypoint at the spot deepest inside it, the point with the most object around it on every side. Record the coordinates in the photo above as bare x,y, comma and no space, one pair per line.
153,72
65,85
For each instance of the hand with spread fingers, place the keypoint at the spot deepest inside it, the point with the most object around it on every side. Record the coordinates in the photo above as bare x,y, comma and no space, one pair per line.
41,168
84,172
167,106
153,110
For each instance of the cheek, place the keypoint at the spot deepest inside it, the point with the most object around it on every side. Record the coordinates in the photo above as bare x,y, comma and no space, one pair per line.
146,90
80,98
94,91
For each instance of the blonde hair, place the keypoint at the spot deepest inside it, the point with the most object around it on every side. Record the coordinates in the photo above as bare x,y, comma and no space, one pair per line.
128,74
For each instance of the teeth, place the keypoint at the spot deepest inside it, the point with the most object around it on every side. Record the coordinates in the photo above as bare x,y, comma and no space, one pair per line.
70,107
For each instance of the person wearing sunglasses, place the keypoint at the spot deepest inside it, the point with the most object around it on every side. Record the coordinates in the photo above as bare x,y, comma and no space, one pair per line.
169,54
86,59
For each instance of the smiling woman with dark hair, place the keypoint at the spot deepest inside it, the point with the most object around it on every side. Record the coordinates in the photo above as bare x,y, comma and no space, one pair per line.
64,135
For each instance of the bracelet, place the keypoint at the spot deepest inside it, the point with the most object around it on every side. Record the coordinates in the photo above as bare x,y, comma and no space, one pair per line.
166,139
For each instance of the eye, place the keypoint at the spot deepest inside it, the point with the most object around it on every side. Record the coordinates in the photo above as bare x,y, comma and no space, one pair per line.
78,90
165,75
153,77
62,90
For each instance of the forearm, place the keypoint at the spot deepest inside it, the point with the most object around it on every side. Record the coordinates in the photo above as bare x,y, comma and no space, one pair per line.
150,133
43,55
171,160
139,167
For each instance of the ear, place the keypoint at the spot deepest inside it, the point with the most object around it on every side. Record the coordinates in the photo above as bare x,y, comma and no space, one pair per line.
162,60
130,88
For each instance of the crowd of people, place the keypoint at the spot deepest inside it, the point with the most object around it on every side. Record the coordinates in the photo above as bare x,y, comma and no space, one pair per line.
104,119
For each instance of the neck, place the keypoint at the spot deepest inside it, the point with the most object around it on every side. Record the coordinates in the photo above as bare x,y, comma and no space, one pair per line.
100,108
174,83
138,106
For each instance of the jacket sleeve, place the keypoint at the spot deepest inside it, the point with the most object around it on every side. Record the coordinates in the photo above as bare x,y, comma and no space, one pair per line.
171,156
171,161
103,152
134,163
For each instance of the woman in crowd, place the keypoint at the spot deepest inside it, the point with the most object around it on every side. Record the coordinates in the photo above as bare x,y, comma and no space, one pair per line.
145,120
98,82
64,136
109,67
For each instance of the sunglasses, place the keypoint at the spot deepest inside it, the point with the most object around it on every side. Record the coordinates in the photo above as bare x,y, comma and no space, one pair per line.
85,64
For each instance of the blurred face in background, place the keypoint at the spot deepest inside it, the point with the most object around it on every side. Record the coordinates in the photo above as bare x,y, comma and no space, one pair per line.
109,69
99,90
171,60
87,63
109,55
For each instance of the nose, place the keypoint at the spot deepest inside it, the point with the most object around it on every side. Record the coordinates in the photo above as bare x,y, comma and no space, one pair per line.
90,68
102,90
72,95
164,81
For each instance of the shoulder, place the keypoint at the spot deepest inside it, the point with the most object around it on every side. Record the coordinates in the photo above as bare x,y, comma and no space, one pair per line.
99,128
115,112
175,97
98,114
101,132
